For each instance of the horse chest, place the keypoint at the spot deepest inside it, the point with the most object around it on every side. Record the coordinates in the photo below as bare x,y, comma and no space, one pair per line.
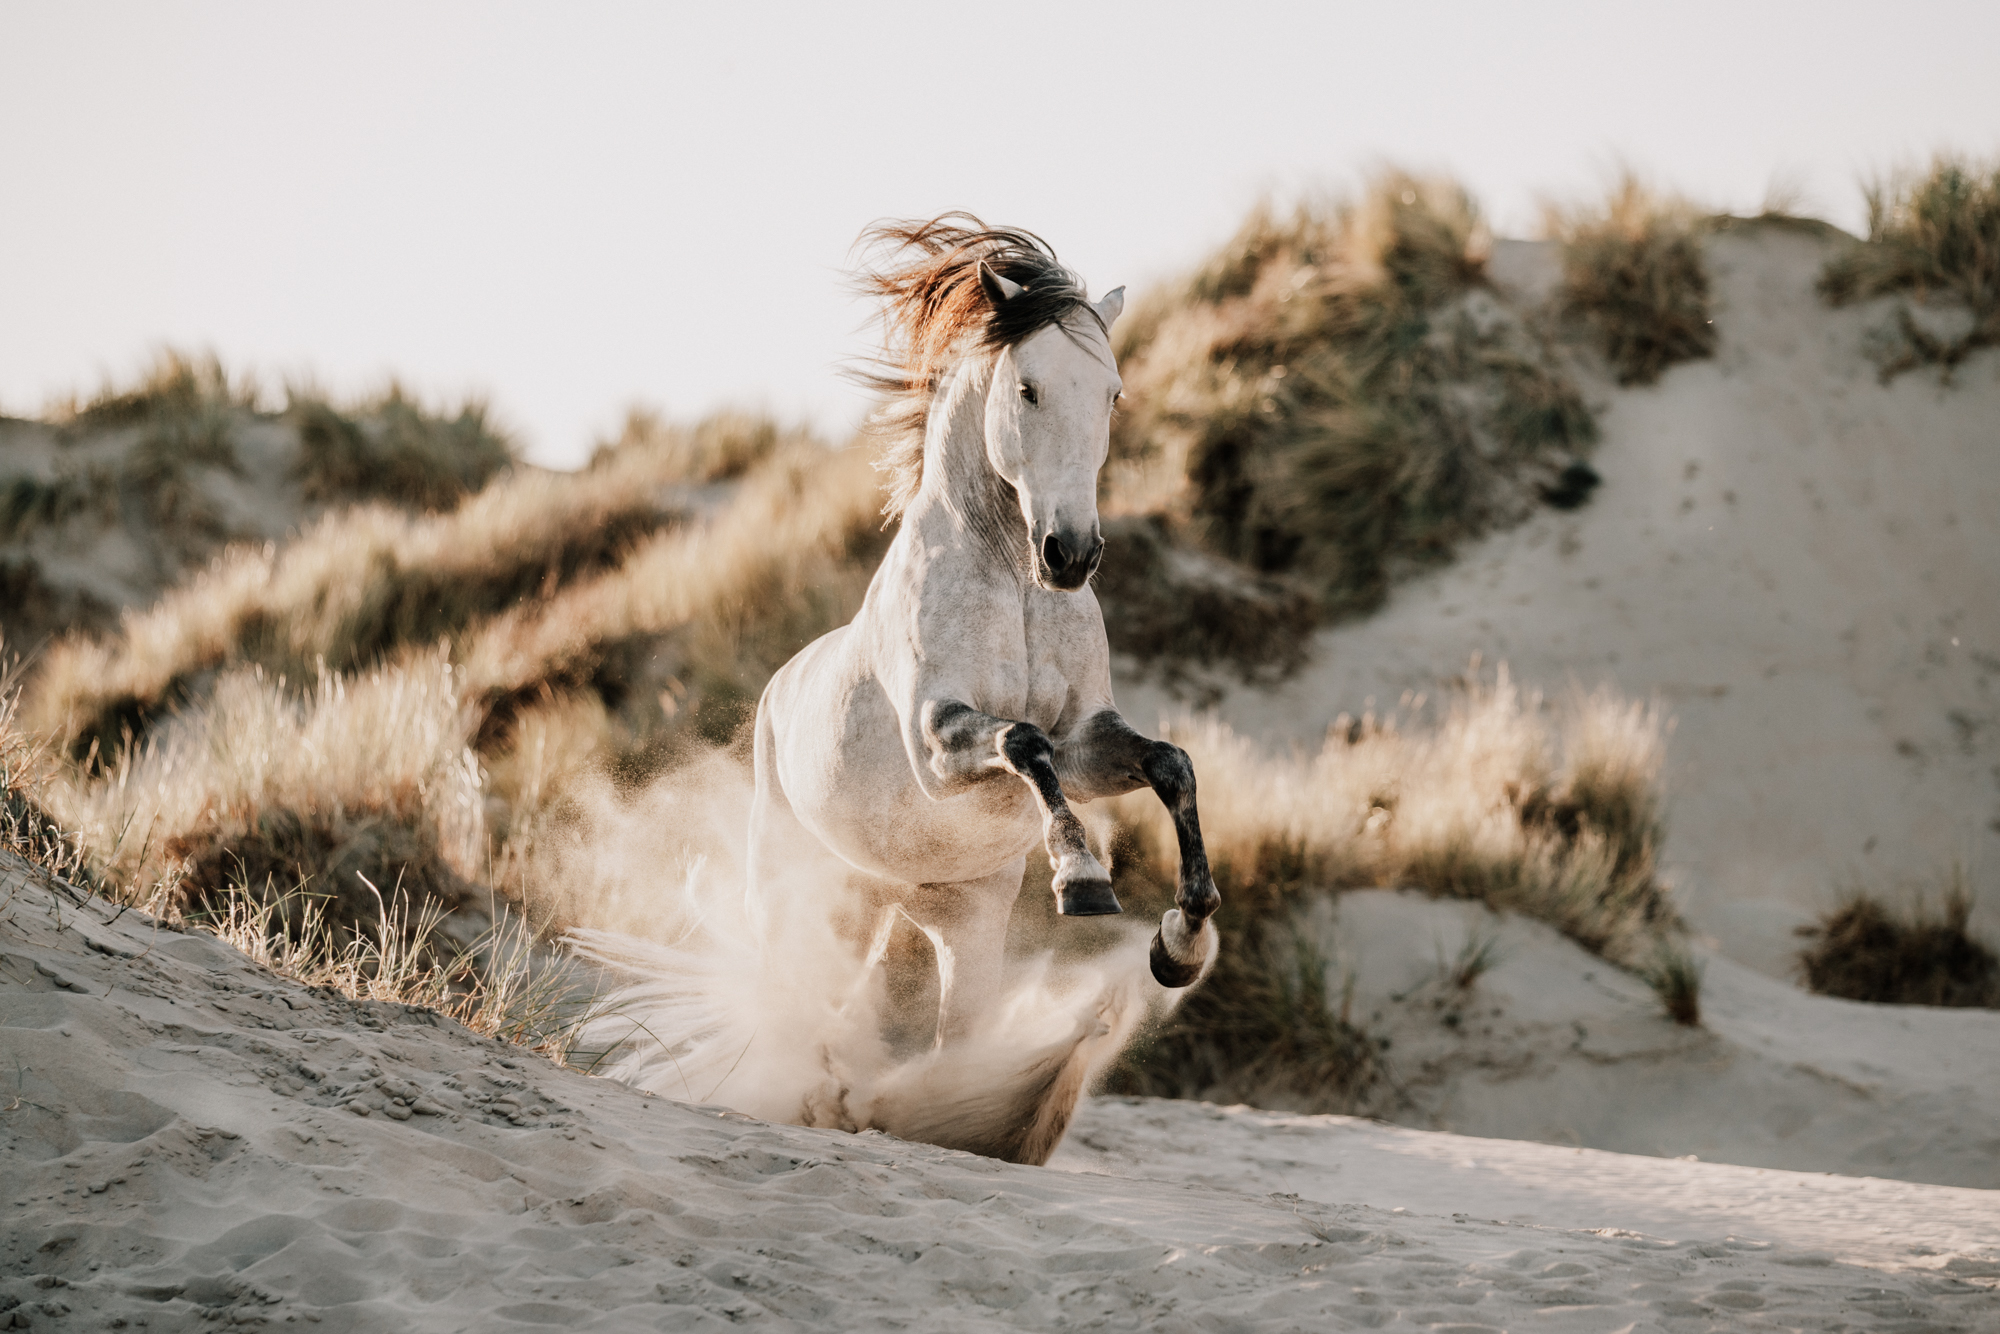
1024,685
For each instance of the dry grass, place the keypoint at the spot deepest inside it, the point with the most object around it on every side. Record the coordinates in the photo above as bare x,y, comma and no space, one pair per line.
346,780
26,768
498,984
393,450
362,779
363,584
1674,974
689,626
1335,395
1933,237
1869,950
189,409
1548,812
1633,276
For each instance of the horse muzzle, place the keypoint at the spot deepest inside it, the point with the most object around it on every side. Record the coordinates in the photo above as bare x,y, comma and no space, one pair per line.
1064,562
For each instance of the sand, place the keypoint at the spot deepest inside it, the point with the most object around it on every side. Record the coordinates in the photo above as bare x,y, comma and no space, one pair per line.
1797,561
1552,1044
180,1150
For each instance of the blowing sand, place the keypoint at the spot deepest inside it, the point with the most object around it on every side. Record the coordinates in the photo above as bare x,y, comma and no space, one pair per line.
182,1150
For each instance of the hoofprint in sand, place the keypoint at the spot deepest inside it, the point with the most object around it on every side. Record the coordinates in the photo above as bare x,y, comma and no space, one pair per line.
188,1140
1795,559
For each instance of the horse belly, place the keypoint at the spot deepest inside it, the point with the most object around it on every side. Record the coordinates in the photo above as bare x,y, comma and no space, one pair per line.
846,775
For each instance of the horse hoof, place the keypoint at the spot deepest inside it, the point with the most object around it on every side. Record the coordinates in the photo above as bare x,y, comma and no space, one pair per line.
1170,972
1181,962
1087,898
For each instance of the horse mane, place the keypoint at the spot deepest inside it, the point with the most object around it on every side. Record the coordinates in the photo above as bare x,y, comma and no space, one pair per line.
934,309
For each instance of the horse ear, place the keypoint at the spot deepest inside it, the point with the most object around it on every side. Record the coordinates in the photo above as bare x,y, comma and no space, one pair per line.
998,287
1111,306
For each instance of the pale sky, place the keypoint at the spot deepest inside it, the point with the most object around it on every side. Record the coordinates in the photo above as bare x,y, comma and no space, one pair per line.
571,208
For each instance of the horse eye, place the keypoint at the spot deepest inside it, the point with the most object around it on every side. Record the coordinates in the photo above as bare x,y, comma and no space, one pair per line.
1030,393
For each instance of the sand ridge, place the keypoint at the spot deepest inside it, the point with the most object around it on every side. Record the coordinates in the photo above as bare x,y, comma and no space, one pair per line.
181,1149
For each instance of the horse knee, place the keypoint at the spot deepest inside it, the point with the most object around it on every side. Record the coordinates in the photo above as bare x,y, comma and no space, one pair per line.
1170,772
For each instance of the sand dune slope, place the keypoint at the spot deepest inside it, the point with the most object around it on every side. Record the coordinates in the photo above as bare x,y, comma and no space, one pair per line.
180,1149
1797,560
1550,1043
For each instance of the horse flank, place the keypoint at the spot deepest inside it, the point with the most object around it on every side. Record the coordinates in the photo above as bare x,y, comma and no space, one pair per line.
934,309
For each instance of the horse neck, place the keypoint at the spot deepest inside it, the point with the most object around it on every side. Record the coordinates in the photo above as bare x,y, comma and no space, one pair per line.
963,503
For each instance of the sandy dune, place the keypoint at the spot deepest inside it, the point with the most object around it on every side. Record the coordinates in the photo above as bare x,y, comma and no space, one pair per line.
181,1149
1553,1044
1798,561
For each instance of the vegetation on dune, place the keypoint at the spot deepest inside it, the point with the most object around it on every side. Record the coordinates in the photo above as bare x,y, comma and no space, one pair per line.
364,584
1554,817
189,459
1633,277
1934,238
392,450
304,714
189,412
1868,950
363,780
1335,396
26,769
407,951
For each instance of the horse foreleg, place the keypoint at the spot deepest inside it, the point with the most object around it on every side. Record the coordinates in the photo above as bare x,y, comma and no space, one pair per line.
967,926
964,743
1106,757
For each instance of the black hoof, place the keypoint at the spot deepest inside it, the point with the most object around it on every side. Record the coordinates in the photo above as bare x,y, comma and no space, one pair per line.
1087,898
1169,971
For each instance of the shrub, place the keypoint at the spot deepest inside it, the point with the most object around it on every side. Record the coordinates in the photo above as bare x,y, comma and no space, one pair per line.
1930,237
1866,950
392,450
1633,276
1334,396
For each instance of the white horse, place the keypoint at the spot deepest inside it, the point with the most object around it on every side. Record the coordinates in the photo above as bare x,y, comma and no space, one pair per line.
929,744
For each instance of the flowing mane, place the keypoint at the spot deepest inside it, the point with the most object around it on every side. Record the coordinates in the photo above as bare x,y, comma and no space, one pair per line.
934,309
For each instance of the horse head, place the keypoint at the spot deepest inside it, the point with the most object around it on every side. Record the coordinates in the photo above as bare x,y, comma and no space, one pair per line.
1048,429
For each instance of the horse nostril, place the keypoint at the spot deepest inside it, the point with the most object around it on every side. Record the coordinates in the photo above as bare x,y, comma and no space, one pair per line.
1054,554
1096,554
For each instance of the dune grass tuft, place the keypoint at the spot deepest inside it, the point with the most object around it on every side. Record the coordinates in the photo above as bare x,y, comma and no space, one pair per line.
498,984
363,780
1335,395
1633,276
1549,812
1933,237
1674,974
404,951
26,828
391,449
1868,950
